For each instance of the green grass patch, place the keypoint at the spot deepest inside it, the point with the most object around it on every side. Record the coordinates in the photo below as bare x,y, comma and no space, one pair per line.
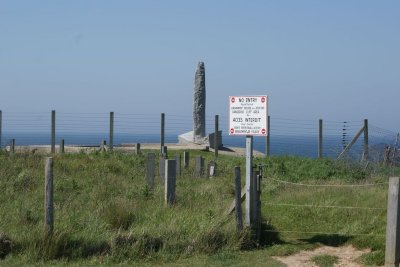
325,260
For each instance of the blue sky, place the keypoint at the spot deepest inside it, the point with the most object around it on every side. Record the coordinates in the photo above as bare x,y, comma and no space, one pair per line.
336,60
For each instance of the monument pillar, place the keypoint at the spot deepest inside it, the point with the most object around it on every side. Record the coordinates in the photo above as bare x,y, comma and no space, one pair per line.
199,104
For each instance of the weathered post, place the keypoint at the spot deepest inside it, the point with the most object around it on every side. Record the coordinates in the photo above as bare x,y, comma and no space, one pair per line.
137,148
61,149
365,154
256,204
249,180
162,132
103,145
178,165
150,170
53,131
211,169
199,168
12,146
199,104
161,168
186,159
111,137
392,251
320,139
164,152
267,142
170,181
238,200
1,123
48,205
216,143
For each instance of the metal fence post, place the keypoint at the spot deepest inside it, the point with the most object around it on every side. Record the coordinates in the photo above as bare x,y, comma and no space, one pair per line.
320,139
216,143
249,180
267,142
53,132
365,154
111,137
162,132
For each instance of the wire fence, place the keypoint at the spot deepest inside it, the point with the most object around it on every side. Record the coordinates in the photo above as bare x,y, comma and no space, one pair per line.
287,136
327,209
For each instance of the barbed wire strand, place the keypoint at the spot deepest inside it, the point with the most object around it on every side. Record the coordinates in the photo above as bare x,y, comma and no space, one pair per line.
321,233
322,206
326,185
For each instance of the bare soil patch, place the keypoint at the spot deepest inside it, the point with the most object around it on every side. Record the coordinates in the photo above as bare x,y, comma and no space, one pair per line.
347,255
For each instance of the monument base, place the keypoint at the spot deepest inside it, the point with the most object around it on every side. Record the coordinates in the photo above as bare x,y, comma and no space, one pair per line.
188,138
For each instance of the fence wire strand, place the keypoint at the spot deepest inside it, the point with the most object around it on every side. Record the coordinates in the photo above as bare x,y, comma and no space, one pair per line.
327,185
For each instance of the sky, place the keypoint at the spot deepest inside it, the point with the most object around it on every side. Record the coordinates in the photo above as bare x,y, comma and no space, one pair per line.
336,60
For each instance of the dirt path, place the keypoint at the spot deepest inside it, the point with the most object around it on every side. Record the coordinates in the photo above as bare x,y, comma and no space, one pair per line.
347,256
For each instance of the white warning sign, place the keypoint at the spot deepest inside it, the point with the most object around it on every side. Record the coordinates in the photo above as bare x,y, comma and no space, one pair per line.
248,115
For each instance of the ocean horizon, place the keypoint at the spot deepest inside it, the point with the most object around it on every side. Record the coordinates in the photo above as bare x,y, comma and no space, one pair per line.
306,146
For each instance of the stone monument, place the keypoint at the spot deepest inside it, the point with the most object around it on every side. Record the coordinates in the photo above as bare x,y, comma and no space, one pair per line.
198,135
199,104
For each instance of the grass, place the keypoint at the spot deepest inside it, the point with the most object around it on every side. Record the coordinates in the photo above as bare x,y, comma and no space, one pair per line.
105,214
325,260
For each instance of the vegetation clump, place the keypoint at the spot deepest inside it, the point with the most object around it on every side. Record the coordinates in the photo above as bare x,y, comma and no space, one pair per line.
325,260
5,245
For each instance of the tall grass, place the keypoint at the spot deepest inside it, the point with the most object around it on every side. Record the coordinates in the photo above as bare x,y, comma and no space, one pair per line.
104,212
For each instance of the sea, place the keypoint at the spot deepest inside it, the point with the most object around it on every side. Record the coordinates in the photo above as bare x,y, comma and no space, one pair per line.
305,146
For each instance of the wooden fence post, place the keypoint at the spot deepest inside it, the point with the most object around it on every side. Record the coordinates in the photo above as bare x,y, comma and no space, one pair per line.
347,148
162,132
53,132
178,165
186,159
211,169
392,251
267,142
216,141
161,169
137,148
61,149
150,169
12,146
257,204
111,137
170,181
1,130
238,200
199,167
103,145
164,152
320,139
49,206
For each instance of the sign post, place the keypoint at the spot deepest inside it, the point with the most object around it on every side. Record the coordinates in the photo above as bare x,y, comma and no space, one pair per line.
248,117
